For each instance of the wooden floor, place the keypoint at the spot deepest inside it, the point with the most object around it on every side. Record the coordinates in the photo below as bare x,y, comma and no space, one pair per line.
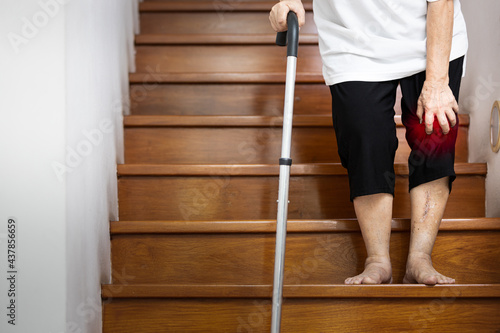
194,248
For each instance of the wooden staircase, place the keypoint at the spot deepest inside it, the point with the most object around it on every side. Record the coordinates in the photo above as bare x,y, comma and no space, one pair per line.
194,248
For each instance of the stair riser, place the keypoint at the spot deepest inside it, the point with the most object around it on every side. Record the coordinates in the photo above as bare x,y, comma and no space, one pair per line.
446,314
226,99
311,258
252,197
245,145
226,59
214,23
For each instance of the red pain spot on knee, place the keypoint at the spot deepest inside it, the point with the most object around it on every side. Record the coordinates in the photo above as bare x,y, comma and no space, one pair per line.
435,144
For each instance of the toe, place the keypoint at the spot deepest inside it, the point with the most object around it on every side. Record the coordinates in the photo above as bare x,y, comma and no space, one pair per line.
445,280
369,280
350,280
356,281
430,280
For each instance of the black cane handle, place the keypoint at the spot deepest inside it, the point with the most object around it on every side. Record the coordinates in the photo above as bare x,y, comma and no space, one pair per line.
290,37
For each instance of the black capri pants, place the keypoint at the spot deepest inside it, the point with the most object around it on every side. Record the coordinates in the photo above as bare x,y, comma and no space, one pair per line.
363,119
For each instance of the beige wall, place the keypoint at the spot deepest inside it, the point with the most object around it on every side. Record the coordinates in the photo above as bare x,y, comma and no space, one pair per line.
481,87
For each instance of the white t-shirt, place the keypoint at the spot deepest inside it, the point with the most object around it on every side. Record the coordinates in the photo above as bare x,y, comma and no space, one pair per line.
377,40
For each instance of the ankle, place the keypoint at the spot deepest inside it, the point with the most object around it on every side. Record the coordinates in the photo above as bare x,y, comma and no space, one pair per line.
378,259
419,256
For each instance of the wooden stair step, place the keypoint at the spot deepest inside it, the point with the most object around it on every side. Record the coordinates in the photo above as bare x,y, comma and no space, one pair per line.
228,121
443,310
264,99
224,59
309,169
193,192
215,28
303,291
222,6
227,99
249,139
234,145
242,121
219,39
464,250
293,226
155,76
246,145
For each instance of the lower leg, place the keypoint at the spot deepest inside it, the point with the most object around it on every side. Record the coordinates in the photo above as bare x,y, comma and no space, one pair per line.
428,202
374,213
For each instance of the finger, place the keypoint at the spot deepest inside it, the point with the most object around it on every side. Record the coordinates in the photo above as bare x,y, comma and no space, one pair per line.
429,122
298,8
420,111
454,105
302,17
273,24
452,117
275,20
278,17
272,19
282,17
443,123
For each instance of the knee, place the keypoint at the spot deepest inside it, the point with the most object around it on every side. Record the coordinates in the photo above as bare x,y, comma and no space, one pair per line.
430,144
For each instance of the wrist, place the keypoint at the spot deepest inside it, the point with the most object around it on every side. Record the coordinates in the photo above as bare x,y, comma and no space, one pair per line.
436,81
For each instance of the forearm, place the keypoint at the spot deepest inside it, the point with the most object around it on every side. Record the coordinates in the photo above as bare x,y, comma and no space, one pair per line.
439,37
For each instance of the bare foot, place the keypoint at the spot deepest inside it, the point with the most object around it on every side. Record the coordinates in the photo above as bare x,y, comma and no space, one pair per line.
377,271
419,269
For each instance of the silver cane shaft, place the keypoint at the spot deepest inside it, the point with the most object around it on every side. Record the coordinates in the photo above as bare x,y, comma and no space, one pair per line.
292,38
284,183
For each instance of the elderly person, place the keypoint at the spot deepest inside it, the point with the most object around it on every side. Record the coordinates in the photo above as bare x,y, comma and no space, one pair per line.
368,48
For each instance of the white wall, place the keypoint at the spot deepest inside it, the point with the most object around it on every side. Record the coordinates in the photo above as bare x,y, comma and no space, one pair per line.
63,87
32,136
99,39
481,87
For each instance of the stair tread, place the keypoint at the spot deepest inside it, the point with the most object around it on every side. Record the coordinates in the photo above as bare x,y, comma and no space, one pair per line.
233,77
149,6
227,99
320,258
226,59
311,169
302,291
237,121
223,192
214,39
293,226
223,121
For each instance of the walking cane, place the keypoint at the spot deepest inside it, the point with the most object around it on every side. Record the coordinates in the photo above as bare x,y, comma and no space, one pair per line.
285,162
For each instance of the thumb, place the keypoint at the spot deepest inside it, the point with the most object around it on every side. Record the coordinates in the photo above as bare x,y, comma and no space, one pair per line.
298,9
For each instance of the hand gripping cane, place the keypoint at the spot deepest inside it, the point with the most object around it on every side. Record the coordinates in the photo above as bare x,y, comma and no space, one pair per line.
292,37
